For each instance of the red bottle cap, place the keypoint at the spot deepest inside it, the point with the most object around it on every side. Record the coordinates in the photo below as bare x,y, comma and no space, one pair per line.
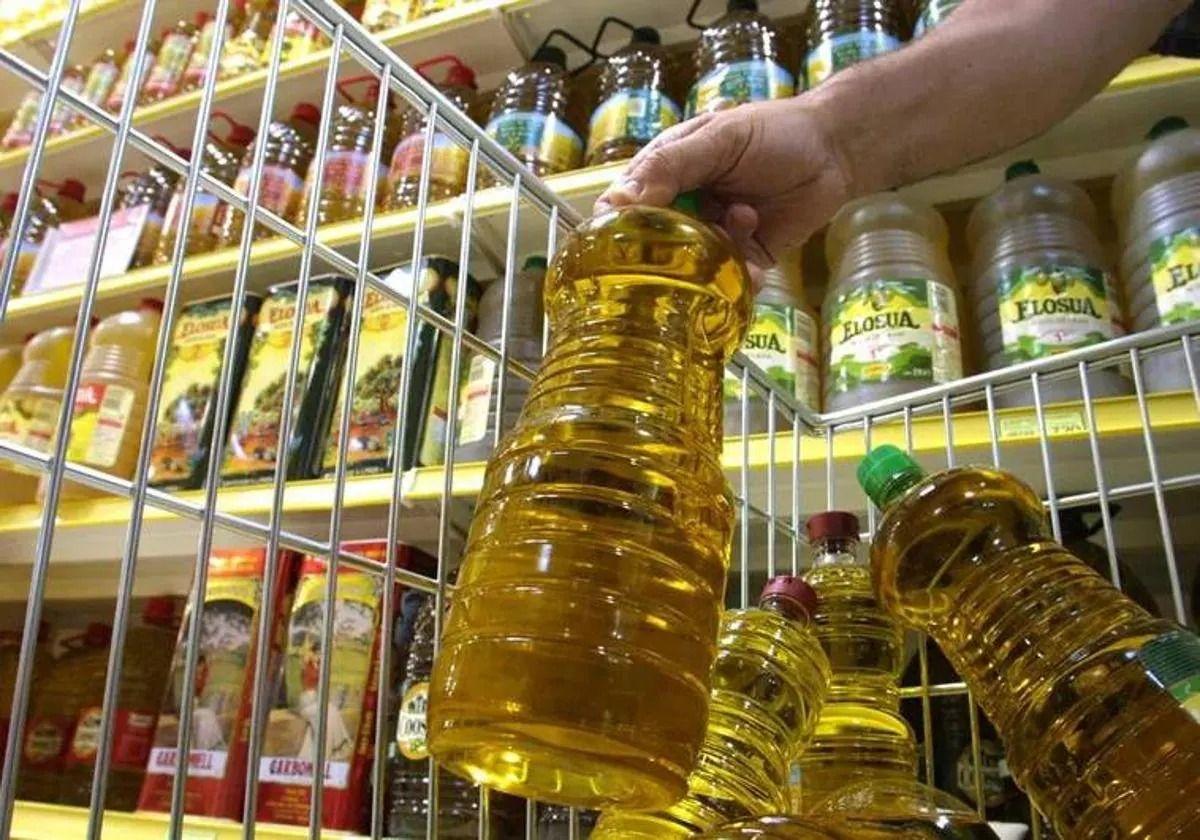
9,202
458,74
130,45
202,18
239,135
832,524
159,610
72,189
791,589
307,112
151,304
97,635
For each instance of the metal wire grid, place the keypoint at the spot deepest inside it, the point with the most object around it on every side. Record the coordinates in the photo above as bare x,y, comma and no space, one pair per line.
771,502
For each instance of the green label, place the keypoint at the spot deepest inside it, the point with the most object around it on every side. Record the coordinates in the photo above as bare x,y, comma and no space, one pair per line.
755,80
1175,272
841,51
637,114
782,341
1046,310
888,330
1173,661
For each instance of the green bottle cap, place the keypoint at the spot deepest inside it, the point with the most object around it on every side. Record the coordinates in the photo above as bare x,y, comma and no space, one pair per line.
886,472
1167,125
1020,169
688,202
534,261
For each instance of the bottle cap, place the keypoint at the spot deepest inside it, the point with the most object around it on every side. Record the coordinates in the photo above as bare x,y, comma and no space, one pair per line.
150,304
97,635
549,54
159,610
792,589
9,203
832,525
1167,125
645,35
130,46
688,202
742,6
72,189
886,472
240,135
460,75
1020,169
202,18
307,112
534,262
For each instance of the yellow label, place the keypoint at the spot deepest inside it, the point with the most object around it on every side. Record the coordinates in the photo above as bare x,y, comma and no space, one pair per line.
1046,310
1175,272
410,727
634,114
29,421
99,423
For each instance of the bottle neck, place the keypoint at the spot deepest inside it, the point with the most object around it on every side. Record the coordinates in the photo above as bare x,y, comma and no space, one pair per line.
897,487
835,551
786,607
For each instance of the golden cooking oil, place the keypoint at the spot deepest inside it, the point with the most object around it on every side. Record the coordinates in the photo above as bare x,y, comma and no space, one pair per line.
768,683
575,662
1098,702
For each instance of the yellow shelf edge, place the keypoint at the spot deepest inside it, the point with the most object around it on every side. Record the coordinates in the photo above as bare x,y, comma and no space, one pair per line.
44,28
38,821
1156,70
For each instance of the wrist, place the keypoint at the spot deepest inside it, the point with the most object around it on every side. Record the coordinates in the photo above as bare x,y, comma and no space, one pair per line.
835,115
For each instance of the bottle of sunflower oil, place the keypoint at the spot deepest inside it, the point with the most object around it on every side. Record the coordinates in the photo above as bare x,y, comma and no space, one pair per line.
244,52
348,158
1097,702
154,188
106,425
738,60
860,734
166,74
63,115
30,405
842,33
379,15
529,114
450,160
133,75
46,212
102,78
635,105
768,683
606,511
221,158
196,71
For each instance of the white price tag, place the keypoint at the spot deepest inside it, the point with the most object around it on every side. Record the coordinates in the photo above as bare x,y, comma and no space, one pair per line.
66,251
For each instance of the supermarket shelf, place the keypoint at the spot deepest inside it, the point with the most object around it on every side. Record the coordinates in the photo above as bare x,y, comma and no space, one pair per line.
90,531
35,821
99,22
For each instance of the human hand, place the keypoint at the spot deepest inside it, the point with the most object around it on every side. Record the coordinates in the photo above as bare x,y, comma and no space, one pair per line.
770,170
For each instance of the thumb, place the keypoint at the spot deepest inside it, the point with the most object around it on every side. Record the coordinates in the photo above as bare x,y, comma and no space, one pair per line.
686,156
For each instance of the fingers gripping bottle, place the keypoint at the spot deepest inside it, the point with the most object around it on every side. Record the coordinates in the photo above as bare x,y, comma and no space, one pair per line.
450,160
529,115
596,562
1098,702
738,60
768,683
1156,201
634,103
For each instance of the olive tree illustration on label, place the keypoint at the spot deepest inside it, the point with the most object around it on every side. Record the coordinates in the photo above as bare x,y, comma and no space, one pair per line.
1046,310
1175,272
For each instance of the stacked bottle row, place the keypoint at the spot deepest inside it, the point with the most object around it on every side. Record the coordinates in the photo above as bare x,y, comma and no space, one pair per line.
1041,283
109,406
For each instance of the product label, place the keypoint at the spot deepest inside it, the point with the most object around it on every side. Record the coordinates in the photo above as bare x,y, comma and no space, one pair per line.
755,80
476,399
29,421
782,341
410,727
1173,661
1175,272
204,213
20,130
384,14
46,739
192,374
99,423
300,37
100,81
1046,310
637,114
448,161
842,51
345,173
242,54
63,114
169,65
544,138
889,330
280,189
935,12
254,434
197,64
133,735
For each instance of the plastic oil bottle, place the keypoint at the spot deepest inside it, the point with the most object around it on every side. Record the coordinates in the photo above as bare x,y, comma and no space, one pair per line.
30,404
64,116
171,61
1156,201
132,77
221,157
154,188
244,53
529,114
842,33
606,511
479,396
932,12
769,681
348,159
738,59
196,70
635,104
67,684
45,214
379,15
10,364
783,342
1041,283
149,645
891,315
860,734
19,132
102,77
450,160
1081,683
106,424
291,144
